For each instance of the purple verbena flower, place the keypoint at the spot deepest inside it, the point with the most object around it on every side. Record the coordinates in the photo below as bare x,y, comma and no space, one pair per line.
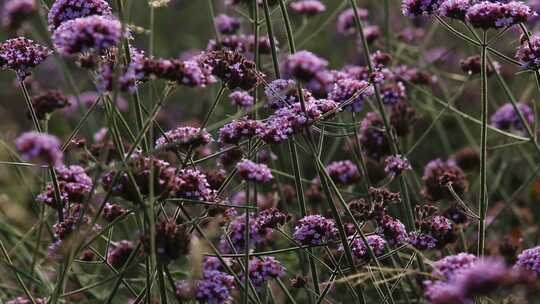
308,7
529,53
215,287
237,233
226,24
416,8
343,172
270,218
352,92
346,24
253,172
261,270
434,173
65,10
15,12
529,260
241,99
488,14
21,54
392,230
372,137
237,130
314,230
184,138
119,255
94,34
507,118
396,164
303,65
281,92
40,148
360,251
456,9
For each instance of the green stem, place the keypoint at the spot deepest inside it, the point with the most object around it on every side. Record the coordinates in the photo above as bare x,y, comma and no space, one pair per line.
483,151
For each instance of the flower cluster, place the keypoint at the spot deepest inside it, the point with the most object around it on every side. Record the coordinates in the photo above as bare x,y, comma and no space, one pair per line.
488,14
435,231
314,230
361,251
351,92
237,130
308,7
172,241
506,117
261,270
528,53
396,164
94,34
74,186
215,287
40,148
65,10
21,54
438,175
253,172
303,65
237,233
48,102
343,172
15,12
184,138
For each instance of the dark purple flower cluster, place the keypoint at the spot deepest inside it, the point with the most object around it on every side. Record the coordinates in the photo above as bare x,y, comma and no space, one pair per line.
343,172
184,138
171,240
392,230
74,185
352,93
507,118
303,65
192,73
94,34
15,12
288,120
346,24
21,54
393,92
416,8
469,277
270,218
112,211
473,65
529,53
281,92
253,172
65,10
237,130
434,231
215,287
40,148
360,250
121,252
396,164
314,230
529,260
456,9
192,184
241,99
237,234
165,178
402,118
488,14
227,25
438,175
48,102
262,270
308,7
233,69
372,137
